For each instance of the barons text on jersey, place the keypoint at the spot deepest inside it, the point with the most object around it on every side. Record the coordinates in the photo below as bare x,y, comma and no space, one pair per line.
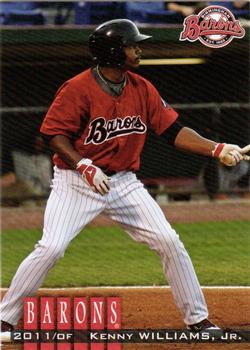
101,130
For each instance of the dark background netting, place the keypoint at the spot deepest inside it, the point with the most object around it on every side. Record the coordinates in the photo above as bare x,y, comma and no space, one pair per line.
212,97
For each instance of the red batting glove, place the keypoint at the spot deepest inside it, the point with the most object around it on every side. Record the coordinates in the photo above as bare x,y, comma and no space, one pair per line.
93,176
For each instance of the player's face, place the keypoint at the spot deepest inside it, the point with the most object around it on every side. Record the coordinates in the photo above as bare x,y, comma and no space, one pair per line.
133,55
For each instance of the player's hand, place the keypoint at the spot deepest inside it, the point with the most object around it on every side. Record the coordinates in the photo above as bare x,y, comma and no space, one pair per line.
93,176
230,155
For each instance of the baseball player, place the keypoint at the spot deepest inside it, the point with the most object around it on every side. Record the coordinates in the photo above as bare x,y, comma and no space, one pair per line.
97,127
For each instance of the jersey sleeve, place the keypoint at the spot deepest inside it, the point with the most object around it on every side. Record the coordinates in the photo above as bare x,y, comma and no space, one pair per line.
66,113
161,114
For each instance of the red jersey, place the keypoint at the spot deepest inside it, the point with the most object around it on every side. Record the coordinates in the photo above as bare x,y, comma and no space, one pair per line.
111,131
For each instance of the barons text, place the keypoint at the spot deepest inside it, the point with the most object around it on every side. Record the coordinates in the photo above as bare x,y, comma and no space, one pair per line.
101,130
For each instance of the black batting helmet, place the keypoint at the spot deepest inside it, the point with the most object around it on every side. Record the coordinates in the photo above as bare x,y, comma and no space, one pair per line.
108,40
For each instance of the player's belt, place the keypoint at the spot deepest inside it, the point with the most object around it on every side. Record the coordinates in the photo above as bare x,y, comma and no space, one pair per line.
110,172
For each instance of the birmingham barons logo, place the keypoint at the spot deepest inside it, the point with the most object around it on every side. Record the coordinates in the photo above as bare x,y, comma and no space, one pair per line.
214,26
101,130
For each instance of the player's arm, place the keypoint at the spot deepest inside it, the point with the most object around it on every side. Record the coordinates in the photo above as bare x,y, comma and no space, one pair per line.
164,121
61,145
189,140
62,122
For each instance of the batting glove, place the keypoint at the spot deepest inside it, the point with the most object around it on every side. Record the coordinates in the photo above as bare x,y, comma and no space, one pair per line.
230,155
93,176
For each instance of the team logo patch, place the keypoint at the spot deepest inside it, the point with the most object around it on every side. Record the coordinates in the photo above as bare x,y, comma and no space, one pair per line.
101,130
214,26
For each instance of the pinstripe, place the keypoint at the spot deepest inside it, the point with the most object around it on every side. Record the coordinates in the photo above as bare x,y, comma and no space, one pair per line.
124,212
21,280
135,233
16,289
187,263
54,194
72,205
180,269
77,218
142,234
37,270
131,219
169,252
67,220
180,274
57,234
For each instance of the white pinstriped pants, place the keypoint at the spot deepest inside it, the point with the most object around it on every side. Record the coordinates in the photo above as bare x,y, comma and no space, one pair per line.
72,205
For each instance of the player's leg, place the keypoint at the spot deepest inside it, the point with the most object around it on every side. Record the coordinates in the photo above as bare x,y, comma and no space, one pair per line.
132,206
70,207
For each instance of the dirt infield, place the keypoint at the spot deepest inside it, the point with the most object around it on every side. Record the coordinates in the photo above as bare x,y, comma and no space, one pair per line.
154,308
25,217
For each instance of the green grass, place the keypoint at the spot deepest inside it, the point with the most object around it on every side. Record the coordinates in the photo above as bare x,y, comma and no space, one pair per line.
108,256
